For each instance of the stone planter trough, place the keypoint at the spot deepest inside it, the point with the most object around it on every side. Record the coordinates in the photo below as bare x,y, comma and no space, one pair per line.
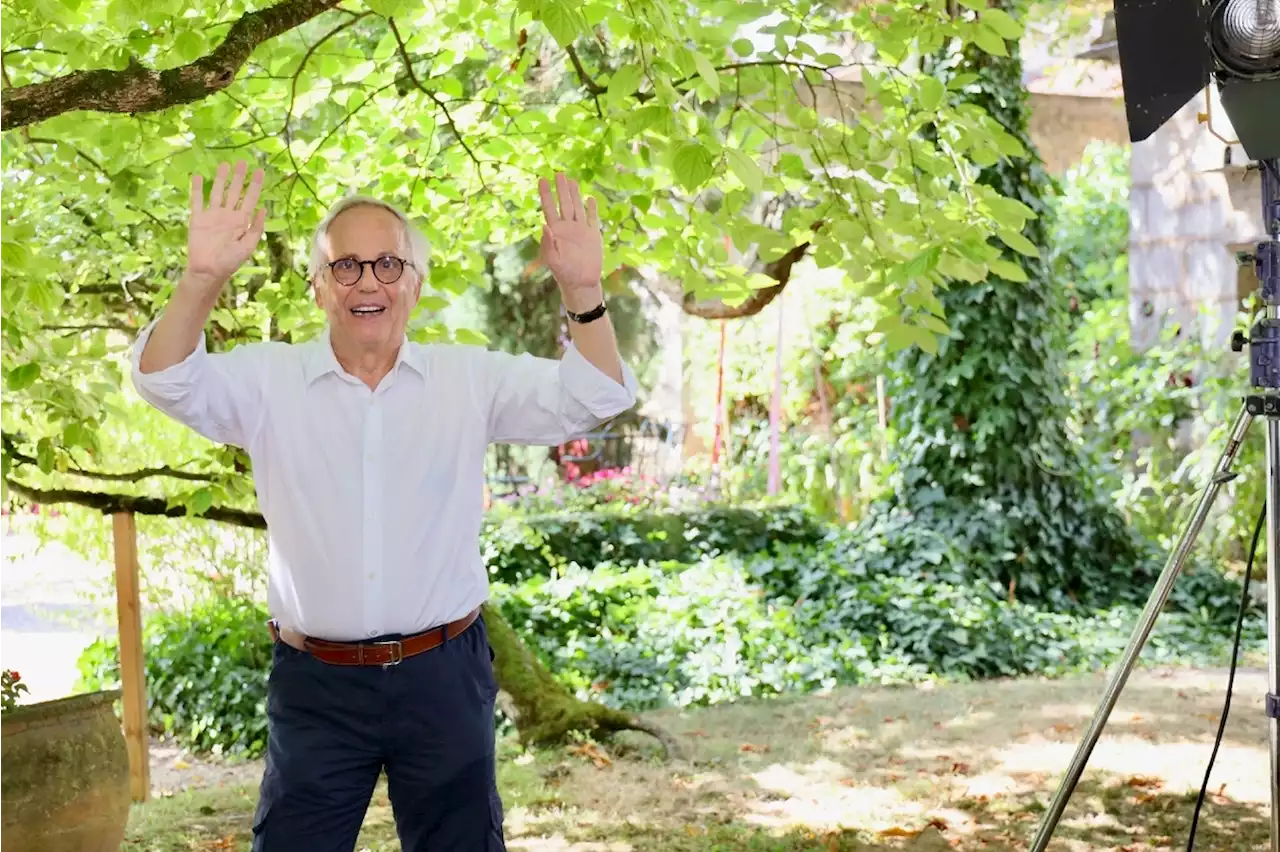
66,776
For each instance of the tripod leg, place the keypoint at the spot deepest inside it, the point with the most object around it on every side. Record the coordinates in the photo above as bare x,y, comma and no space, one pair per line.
1273,620
1164,585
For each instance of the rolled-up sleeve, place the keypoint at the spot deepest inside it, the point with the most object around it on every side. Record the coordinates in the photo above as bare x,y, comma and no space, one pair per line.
217,395
545,401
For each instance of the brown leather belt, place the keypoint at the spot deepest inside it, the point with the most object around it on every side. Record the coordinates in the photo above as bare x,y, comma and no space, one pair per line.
385,653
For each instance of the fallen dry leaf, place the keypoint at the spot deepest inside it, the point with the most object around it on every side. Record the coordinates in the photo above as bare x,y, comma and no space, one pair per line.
1143,781
1063,727
939,823
898,831
756,748
593,753
698,734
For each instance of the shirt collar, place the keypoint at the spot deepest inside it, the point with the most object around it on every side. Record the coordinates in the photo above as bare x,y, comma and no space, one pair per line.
320,360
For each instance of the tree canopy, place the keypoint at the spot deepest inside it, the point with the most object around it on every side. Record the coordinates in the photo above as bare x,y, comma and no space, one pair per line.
724,140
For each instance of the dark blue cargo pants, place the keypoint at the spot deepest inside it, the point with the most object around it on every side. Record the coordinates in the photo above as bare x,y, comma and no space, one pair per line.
428,721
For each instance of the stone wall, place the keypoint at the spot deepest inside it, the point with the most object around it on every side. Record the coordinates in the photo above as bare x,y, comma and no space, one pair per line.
1188,213
1061,126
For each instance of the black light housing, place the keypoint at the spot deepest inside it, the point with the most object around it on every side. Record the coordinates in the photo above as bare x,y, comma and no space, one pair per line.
1171,49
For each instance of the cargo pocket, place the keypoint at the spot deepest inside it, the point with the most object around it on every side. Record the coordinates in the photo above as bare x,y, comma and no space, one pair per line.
266,801
497,842
260,814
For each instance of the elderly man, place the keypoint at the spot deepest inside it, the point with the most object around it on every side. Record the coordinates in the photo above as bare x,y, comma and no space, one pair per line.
367,457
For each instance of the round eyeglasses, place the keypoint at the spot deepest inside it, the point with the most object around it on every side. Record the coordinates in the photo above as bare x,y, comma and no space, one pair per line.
348,271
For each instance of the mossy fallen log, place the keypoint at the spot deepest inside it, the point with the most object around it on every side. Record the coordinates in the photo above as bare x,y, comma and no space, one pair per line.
544,712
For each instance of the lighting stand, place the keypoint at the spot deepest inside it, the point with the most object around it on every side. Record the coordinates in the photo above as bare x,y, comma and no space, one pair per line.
1264,401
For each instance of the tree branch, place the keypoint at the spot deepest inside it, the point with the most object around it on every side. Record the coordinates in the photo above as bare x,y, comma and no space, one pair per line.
140,89
779,270
110,504
448,117
126,476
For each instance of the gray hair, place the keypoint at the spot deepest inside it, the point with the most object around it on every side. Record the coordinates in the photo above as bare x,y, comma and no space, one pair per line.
418,246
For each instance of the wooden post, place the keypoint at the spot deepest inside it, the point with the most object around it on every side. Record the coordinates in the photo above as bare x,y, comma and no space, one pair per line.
133,680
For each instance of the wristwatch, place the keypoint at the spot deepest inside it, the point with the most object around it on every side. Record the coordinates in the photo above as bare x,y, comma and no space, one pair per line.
588,316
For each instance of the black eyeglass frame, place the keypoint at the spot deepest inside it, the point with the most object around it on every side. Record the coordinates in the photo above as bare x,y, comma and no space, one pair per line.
372,264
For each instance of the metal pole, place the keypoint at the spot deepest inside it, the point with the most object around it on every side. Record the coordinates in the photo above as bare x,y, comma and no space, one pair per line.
1164,585
1273,619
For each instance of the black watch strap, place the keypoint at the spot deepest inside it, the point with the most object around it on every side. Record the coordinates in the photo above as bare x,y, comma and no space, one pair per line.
588,316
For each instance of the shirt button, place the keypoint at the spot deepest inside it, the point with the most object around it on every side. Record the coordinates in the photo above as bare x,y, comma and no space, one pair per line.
372,576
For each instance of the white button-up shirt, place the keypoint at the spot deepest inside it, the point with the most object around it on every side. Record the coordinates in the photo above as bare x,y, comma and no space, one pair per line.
374,498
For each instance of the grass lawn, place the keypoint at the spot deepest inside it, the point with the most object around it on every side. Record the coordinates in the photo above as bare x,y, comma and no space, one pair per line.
966,766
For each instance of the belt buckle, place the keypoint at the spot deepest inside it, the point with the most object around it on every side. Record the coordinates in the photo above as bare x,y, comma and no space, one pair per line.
399,651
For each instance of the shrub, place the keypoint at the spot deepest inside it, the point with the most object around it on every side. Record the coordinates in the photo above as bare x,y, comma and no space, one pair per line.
758,603
206,671
670,634
520,547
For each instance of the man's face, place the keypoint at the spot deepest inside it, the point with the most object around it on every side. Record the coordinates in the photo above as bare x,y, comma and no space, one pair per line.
368,313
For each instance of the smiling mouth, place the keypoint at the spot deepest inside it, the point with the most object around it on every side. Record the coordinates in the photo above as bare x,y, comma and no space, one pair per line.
367,311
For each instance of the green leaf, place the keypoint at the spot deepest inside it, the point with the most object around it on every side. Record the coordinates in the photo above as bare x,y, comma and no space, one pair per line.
1019,243
743,47
391,8
746,169
23,376
707,72
200,501
931,93
46,456
1002,23
188,46
990,41
624,83
470,337
563,20
1008,270
692,165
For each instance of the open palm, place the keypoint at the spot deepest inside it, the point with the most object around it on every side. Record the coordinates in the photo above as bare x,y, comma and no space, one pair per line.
571,245
223,234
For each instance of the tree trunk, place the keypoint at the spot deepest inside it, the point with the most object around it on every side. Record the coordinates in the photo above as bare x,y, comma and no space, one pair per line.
544,711
983,422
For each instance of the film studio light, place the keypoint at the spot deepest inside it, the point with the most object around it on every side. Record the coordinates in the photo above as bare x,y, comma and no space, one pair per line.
1170,51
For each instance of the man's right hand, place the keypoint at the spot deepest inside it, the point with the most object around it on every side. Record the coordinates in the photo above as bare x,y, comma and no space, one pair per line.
224,233
222,236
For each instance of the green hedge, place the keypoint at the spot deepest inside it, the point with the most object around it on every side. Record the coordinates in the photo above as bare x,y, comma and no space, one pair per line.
206,671
523,547
664,633
684,608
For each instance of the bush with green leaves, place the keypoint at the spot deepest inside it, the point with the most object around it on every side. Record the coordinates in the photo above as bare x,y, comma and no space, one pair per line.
206,670
661,634
701,607
518,547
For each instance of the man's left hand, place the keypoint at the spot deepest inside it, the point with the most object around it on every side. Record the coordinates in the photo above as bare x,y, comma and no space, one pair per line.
571,245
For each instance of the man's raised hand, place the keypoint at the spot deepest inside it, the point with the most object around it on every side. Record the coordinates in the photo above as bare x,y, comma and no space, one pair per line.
224,233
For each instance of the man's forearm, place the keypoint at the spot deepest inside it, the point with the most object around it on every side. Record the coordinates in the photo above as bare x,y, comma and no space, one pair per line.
595,340
177,333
